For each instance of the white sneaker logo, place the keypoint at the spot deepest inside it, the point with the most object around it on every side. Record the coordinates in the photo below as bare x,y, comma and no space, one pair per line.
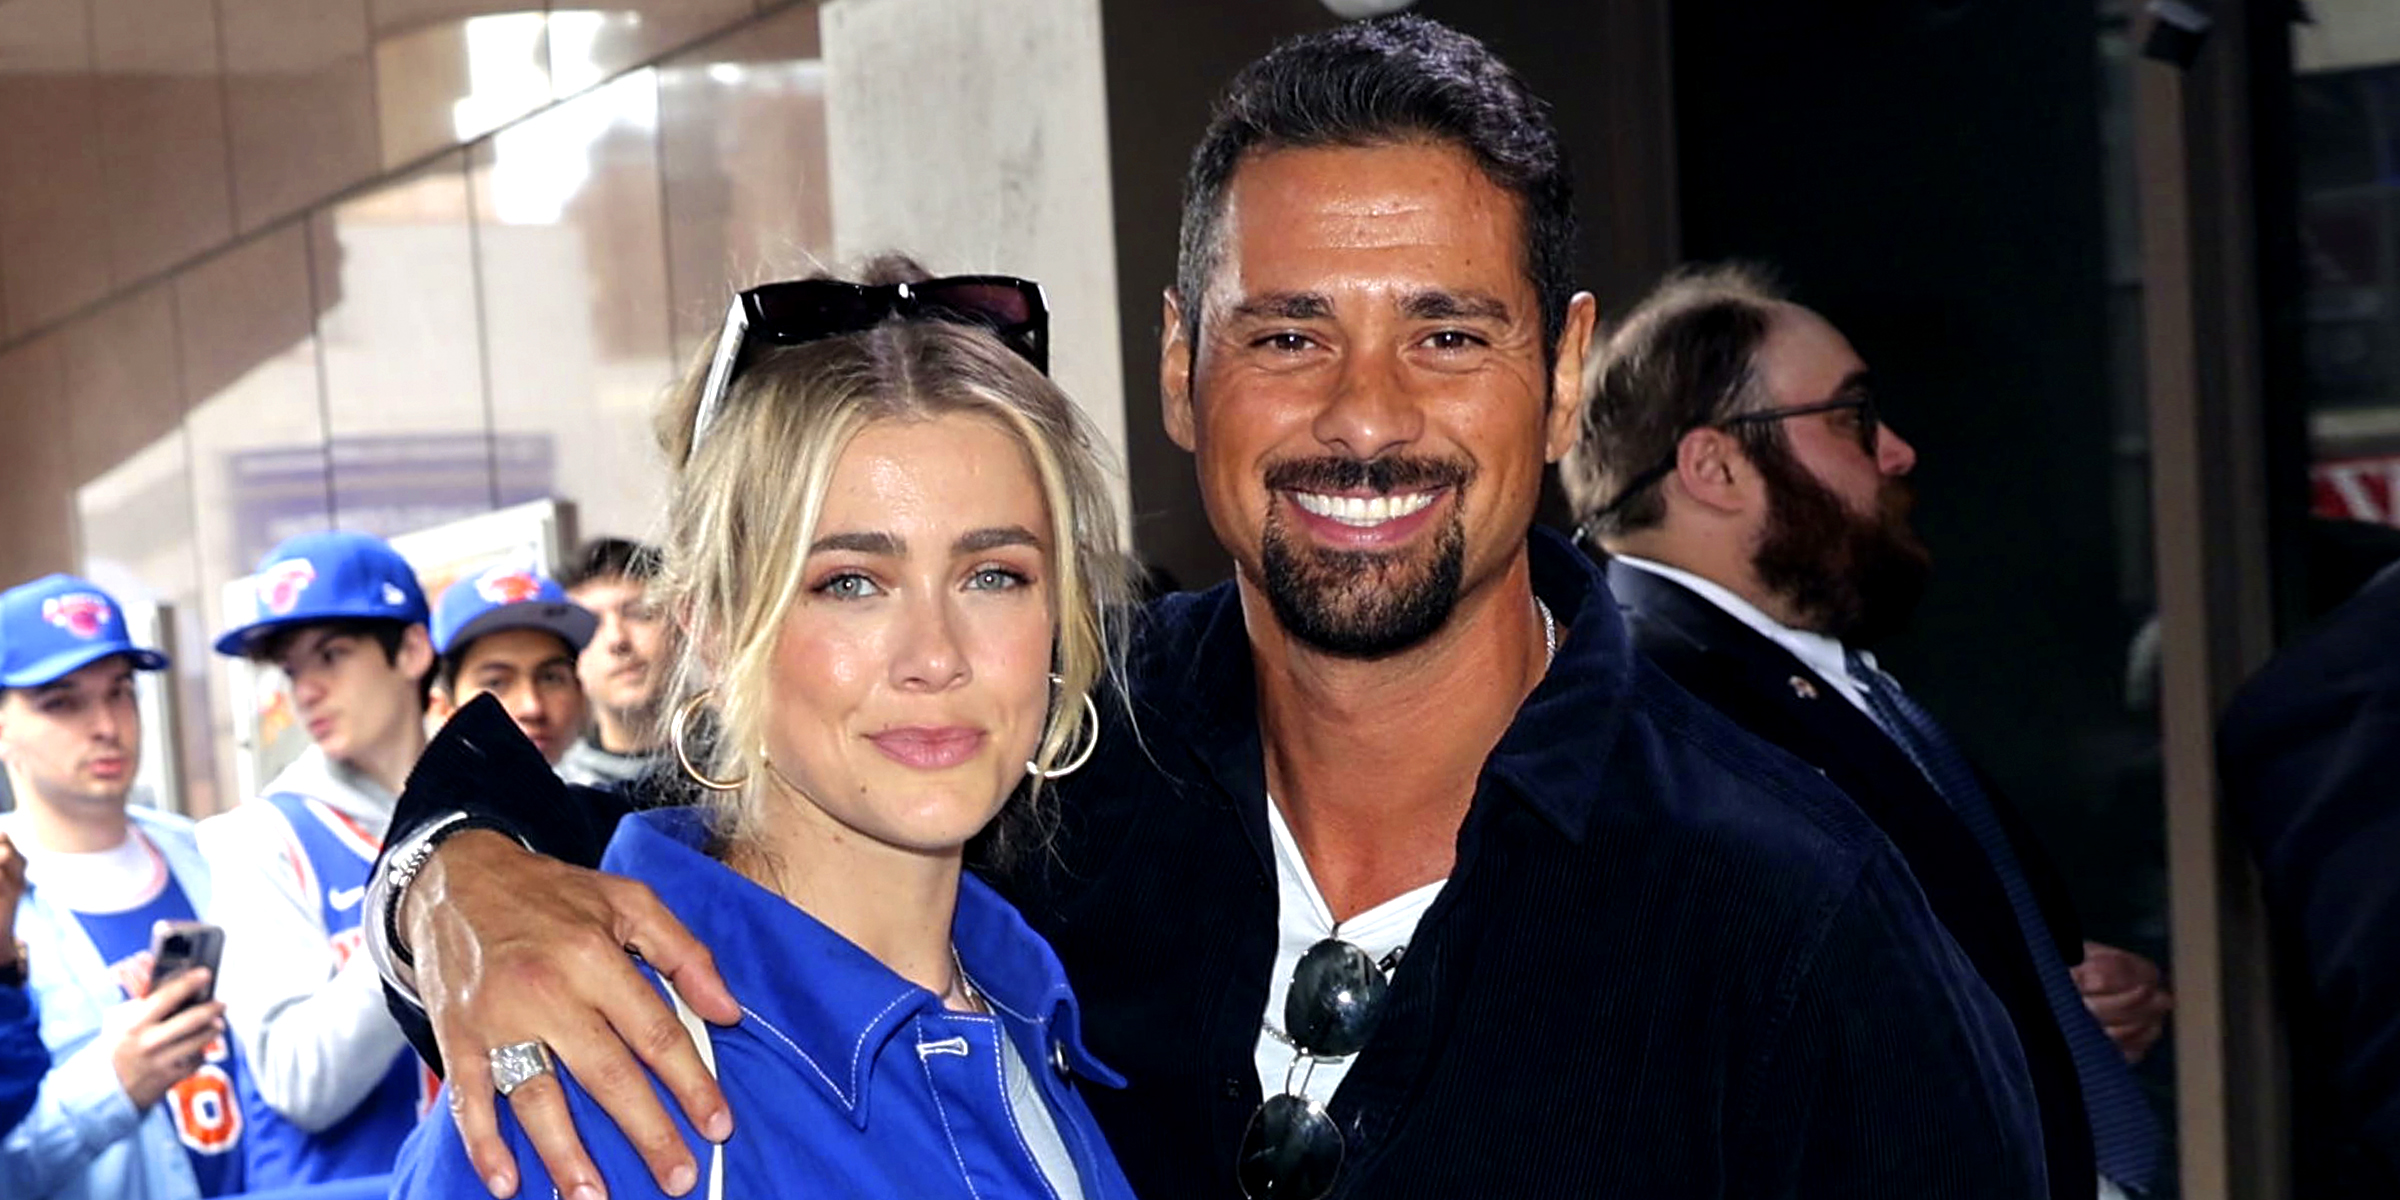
347,898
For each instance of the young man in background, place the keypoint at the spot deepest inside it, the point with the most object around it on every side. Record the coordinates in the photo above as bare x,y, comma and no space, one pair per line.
622,668
139,1101
513,632
334,1086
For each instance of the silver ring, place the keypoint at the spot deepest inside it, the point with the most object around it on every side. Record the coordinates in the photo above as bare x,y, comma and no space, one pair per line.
519,1063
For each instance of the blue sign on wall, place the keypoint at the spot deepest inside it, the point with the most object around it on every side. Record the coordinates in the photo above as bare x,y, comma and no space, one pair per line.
381,485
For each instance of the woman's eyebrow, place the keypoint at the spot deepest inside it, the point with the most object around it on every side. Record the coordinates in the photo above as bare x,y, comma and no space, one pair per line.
980,540
860,543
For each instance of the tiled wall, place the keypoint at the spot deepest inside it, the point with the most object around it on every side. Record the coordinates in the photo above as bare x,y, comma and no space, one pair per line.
273,265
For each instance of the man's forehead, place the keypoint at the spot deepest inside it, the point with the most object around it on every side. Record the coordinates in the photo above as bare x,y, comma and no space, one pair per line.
1804,353
515,649
106,673
311,638
604,590
1397,218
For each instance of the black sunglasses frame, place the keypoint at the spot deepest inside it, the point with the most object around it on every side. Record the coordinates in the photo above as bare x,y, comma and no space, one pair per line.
1870,427
798,311
1291,1148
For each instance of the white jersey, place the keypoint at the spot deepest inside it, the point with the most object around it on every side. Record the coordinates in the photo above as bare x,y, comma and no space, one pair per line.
306,1007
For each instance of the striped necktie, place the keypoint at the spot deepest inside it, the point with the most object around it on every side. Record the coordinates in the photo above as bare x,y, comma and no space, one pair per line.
2126,1140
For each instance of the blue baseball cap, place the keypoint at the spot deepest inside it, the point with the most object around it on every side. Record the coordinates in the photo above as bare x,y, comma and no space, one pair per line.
328,577
58,625
509,597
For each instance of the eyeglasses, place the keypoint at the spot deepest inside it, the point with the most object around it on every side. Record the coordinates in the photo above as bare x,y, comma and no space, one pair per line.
807,310
1292,1150
1870,425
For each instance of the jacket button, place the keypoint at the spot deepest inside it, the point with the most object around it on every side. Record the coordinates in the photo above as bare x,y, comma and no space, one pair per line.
1058,1059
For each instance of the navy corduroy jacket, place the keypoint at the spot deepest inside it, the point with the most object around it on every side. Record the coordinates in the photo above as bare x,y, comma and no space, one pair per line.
1671,961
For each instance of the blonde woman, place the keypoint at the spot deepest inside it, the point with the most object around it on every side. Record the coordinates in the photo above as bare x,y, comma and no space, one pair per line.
891,551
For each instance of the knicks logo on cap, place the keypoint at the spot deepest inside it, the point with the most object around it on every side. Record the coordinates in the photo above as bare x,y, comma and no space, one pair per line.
83,614
279,586
509,586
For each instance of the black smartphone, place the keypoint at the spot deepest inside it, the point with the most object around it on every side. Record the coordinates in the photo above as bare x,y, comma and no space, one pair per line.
179,946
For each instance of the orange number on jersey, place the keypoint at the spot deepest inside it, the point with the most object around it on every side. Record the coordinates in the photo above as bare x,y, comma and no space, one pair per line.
207,1117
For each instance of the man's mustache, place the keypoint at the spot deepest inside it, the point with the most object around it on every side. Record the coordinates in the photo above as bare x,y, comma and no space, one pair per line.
1382,476
1898,499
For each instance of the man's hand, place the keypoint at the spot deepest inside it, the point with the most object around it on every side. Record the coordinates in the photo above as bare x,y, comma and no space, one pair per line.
511,946
158,1046
12,889
2127,994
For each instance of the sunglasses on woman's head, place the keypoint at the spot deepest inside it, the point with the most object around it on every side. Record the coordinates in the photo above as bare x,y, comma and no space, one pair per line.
808,310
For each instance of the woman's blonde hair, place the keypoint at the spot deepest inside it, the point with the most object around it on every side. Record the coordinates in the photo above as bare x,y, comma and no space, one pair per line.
747,497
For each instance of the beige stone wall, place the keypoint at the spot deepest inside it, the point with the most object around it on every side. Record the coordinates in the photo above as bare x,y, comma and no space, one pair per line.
275,265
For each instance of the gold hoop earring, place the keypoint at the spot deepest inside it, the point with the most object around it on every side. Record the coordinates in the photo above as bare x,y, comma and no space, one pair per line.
1091,713
683,756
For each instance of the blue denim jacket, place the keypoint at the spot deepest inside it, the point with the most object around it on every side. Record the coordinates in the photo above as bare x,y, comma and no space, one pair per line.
844,1078
83,1137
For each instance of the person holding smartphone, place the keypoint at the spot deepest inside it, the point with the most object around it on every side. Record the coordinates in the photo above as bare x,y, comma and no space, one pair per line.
138,1103
23,1061
333,1086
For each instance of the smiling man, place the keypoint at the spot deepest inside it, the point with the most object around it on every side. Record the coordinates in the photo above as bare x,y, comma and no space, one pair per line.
335,1087
1415,880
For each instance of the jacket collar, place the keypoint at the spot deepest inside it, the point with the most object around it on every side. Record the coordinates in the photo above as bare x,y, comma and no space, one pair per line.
1643,586
808,991
1194,675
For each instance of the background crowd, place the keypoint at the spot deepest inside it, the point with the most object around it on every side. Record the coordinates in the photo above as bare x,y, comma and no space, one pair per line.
293,1073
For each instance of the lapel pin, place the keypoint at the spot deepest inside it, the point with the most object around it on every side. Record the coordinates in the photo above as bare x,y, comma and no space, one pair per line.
1803,688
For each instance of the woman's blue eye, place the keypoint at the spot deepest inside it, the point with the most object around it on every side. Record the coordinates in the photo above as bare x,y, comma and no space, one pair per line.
849,587
993,579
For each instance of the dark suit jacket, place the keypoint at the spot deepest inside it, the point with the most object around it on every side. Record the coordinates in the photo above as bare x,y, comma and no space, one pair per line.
1752,679
2310,755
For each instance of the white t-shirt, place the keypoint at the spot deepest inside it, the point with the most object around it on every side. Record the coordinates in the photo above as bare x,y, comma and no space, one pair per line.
1038,1124
1302,920
119,879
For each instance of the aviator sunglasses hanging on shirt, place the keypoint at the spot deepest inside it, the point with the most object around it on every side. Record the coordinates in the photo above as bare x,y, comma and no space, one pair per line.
1292,1150
807,310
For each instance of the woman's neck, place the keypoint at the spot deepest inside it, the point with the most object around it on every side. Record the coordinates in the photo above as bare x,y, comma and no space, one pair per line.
896,904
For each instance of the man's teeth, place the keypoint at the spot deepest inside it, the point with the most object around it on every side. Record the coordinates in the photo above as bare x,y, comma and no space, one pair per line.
1363,510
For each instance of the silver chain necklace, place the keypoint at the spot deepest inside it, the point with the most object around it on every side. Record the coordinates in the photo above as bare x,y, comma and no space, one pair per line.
1549,633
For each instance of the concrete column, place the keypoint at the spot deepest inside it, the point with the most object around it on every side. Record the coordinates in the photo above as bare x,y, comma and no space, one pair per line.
973,134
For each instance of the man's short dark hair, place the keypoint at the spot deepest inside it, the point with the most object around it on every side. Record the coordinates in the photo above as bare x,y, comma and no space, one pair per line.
1684,358
267,650
1373,83
610,558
